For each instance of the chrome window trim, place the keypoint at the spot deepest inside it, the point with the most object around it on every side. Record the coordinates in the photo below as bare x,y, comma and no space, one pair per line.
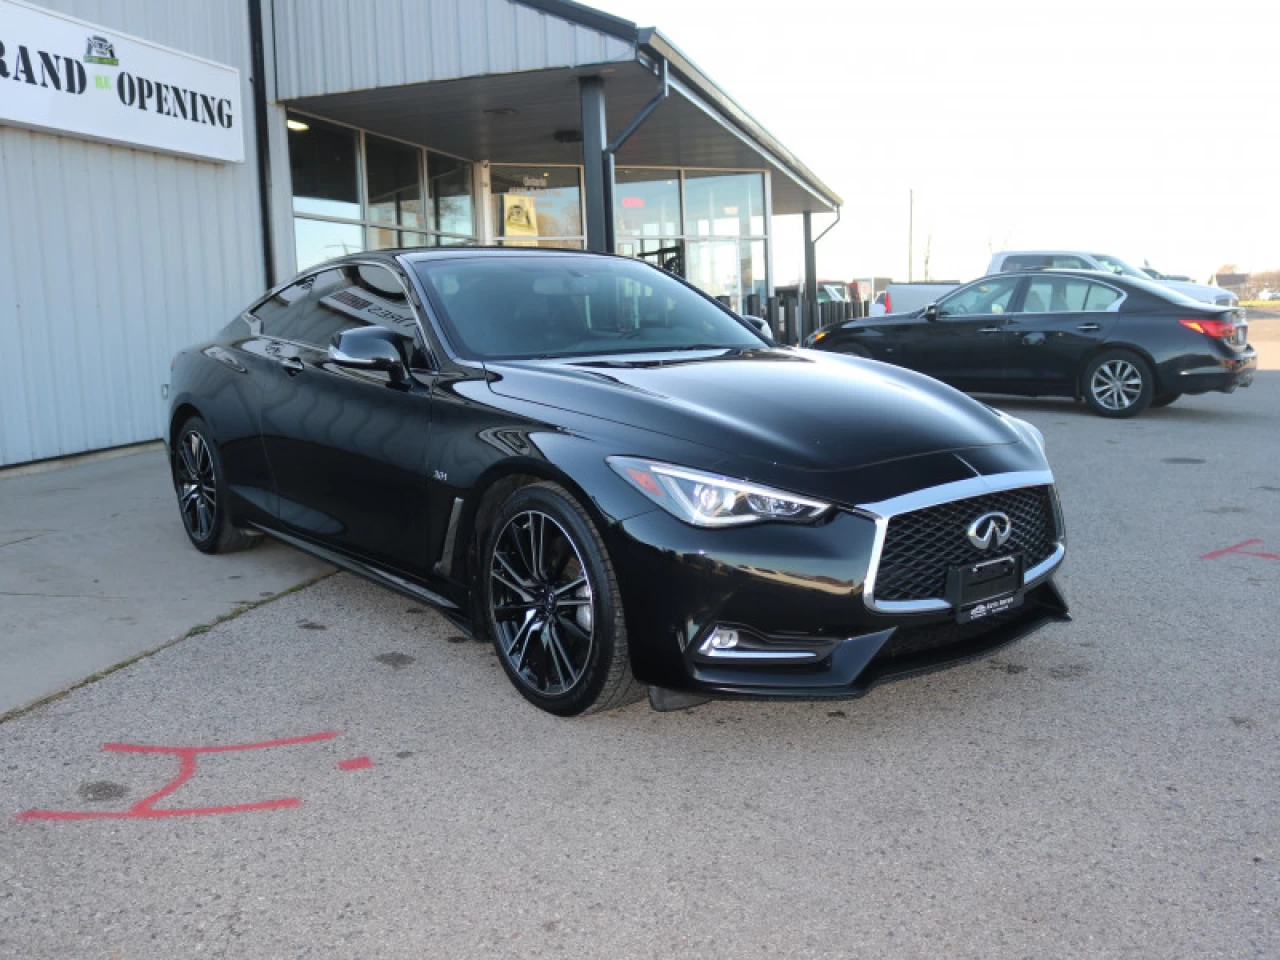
885,510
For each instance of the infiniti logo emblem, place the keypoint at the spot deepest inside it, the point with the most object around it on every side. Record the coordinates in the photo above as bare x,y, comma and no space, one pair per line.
990,530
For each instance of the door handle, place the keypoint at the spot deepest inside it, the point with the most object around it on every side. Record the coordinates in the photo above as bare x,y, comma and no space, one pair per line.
292,365
1090,327
990,330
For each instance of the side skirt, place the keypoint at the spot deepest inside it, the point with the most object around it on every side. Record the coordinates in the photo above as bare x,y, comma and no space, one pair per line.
378,576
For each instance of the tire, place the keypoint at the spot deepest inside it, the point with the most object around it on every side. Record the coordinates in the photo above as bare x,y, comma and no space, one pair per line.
1118,384
200,485
1165,400
563,647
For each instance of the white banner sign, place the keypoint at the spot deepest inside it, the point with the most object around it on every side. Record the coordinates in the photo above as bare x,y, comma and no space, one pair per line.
72,77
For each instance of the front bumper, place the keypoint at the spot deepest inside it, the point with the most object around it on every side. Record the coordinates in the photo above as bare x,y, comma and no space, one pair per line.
796,596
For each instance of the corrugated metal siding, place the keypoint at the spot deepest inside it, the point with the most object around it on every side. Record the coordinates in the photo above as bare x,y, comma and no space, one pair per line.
112,259
335,46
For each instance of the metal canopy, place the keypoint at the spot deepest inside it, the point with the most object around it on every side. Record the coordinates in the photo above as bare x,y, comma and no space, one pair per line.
473,118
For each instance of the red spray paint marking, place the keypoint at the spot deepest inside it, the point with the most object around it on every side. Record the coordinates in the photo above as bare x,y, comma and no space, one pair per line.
355,763
1237,549
145,809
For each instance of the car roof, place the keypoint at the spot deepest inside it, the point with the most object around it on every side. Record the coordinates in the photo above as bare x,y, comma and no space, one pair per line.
1048,253
426,254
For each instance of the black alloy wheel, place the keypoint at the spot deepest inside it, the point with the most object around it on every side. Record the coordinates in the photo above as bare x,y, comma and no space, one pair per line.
1118,384
197,480
552,604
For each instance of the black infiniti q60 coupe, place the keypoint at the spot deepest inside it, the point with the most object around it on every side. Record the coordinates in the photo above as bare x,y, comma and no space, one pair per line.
615,479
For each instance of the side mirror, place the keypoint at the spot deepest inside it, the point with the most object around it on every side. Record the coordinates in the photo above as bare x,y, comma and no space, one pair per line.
758,322
931,312
369,348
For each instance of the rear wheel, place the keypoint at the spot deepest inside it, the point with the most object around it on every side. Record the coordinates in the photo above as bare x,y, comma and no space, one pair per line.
1117,384
200,484
1165,400
552,604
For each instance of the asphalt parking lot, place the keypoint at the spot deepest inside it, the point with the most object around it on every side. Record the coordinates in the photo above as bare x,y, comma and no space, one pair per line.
1106,788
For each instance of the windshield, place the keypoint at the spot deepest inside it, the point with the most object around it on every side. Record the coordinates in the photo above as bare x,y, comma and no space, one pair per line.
512,308
1116,265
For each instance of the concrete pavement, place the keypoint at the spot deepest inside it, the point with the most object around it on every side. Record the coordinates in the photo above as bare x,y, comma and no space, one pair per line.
1105,789
95,569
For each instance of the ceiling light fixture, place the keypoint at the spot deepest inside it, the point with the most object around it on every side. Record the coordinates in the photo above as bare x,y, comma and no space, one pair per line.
297,125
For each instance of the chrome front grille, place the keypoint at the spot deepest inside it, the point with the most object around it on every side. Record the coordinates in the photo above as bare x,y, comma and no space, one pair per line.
921,546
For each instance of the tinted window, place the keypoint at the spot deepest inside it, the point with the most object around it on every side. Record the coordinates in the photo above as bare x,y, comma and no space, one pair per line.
1100,297
317,307
1025,261
510,308
986,296
1056,295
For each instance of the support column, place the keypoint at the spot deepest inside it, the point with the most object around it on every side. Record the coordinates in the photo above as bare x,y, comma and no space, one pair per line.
810,321
597,166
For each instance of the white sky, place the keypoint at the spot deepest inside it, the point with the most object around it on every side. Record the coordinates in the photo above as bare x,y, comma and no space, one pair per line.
1149,130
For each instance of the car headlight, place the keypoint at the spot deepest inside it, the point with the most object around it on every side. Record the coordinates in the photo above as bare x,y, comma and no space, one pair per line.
710,500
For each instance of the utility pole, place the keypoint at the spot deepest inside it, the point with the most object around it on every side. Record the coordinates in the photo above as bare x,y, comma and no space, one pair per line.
911,225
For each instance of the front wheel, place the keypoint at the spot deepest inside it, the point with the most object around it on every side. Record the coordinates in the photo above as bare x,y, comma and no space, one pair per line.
1118,384
552,605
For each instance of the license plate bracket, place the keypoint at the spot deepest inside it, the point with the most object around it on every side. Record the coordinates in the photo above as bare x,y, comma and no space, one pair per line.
978,590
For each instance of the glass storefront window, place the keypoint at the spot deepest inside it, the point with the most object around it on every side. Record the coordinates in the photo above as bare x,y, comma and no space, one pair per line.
380,238
320,240
732,269
450,190
397,209
665,252
719,204
646,202
395,182
530,202
323,161
544,243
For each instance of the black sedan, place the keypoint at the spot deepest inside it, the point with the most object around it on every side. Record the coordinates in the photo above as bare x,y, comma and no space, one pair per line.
1119,343
615,479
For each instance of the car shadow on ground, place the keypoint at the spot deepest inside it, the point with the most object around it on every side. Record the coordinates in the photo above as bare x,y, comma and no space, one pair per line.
1182,410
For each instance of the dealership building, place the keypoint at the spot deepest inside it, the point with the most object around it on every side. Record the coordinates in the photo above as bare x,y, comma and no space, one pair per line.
161,164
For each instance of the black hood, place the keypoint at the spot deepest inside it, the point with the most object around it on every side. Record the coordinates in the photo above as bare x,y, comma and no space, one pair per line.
805,410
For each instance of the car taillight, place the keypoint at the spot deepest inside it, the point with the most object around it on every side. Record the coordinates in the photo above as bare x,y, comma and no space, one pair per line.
1222,329
888,303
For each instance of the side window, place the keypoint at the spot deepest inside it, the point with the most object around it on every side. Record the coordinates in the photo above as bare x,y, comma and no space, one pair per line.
1056,295
1100,297
317,307
1069,262
984,297
1025,261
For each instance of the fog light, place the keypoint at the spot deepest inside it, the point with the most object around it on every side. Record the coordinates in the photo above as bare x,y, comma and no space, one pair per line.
720,639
